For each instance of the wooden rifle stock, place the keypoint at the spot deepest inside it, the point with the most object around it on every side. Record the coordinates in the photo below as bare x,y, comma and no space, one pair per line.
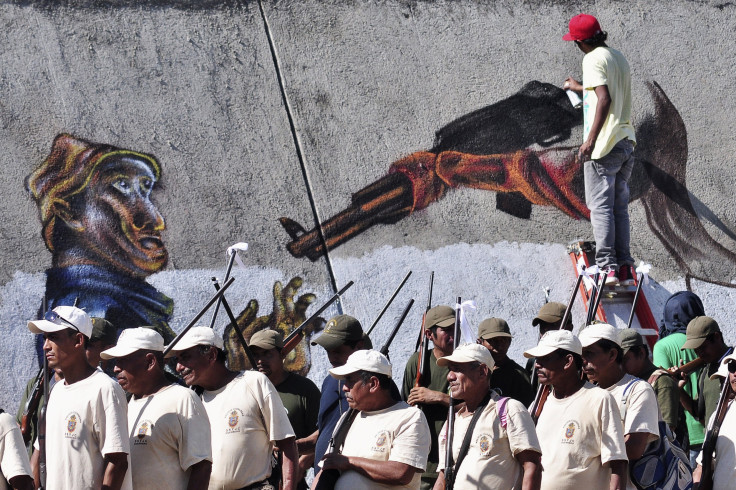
711,437
31,408
449,459
296,336
686,369
423,374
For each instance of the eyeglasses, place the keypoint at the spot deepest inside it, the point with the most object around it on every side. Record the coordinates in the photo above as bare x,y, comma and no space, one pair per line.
732,367
53,317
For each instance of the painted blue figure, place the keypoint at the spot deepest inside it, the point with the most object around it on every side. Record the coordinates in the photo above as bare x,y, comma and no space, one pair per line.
103,231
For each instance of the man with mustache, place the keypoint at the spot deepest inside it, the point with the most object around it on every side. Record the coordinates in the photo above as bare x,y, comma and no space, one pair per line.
387,444
579,429
87,443
637,403
169,429
247,418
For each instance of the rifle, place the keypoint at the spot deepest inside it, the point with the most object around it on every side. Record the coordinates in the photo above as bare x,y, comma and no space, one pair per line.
42,426
31,407
449,460
423,345
234,323
685,369
544,390
711,437
296,336
328,478
388,303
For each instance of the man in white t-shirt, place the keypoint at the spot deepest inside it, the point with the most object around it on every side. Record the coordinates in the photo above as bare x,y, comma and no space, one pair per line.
169,430
247,417
504,450
15,469
87,442
724,458
637,403
608,145
387,443
579,429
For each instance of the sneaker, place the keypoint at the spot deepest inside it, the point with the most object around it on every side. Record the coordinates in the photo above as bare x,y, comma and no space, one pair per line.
626,275
611,278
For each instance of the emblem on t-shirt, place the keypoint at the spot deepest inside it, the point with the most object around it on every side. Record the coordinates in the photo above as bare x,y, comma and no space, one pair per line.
381,442
143,432
233,420
484,444
72,420
570,428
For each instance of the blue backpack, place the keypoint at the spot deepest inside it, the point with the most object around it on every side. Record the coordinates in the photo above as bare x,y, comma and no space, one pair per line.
664,465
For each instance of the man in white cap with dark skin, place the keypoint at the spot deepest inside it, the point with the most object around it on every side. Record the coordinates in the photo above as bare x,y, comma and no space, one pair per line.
504,451
579,429
387,444
87,443
637,403
247,418
169,429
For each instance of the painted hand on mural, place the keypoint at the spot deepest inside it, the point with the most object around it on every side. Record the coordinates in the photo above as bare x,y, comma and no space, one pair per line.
287,314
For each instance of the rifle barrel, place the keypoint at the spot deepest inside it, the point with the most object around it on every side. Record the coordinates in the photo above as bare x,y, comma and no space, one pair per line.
384,349
388,303
234,323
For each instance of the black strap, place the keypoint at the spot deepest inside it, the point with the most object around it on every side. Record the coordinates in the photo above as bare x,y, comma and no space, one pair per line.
469,434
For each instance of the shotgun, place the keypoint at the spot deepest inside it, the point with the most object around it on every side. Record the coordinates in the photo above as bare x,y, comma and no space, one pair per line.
423,374
30,411
711,437
449,460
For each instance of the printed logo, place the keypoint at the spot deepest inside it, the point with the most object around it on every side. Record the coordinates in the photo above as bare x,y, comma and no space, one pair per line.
72,421
233,416
570,431
381,442
484,442
570,428
330,325
233,420
143,433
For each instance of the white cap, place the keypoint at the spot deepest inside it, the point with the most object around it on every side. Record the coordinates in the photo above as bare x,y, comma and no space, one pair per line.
468,353
363,360
133,339
599,331
197,336
553,340
723,368
63,317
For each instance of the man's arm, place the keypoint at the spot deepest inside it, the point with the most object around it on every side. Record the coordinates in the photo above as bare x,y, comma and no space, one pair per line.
531,463
425,396
307,444
384,472
618,474
199,477
439,484
116,464
289,462
601,113
636,444
35,470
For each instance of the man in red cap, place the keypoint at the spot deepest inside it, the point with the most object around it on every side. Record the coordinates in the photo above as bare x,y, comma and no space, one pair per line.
608,145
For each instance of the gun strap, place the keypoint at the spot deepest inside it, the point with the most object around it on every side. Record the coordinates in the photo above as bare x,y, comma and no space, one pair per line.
469,433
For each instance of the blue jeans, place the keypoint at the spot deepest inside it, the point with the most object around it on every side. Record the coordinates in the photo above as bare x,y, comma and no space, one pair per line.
607,197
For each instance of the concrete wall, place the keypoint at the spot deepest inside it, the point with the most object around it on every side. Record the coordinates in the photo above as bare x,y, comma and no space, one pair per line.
208,88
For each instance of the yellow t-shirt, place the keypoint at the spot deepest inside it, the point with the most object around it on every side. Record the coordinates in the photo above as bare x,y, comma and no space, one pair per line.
607,66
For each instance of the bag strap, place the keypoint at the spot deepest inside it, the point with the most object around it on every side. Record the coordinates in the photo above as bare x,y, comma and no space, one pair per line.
625,398
469,433
502,414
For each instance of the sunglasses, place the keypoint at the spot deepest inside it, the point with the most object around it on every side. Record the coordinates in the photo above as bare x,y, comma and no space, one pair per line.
54,317
732,367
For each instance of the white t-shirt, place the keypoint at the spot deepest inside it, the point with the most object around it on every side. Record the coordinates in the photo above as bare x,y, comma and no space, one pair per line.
397,433
246,416
579,435
13,455
490,461
642,412
85,421
169,432
724,464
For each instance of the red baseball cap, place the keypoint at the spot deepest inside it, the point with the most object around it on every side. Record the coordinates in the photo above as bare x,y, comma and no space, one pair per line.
582,27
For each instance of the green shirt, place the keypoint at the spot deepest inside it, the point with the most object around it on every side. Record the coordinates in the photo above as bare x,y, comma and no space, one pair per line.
300,397
668,395
436,414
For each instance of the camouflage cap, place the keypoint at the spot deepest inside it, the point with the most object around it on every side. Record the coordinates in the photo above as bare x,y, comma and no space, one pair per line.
340,330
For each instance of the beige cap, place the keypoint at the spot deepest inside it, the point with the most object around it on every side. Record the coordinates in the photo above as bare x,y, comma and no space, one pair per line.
363,360
197,336
267,339
698,330
63,317
553,340
439,316
598,331
468,353
723,368
550,313
493,327
134,339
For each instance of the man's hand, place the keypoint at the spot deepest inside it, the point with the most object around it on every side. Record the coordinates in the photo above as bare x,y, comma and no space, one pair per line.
572,84
334,461
584,152
425,396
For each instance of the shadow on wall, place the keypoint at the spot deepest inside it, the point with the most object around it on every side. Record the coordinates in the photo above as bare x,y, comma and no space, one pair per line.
509,148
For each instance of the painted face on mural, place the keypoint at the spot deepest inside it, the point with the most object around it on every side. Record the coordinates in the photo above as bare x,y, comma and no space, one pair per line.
119,223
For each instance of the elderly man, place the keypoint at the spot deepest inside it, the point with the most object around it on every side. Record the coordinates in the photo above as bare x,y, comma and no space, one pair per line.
432,398
579,429
387,444
247,418
87,442
503,450
637,403
299,395
169,429
507,377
